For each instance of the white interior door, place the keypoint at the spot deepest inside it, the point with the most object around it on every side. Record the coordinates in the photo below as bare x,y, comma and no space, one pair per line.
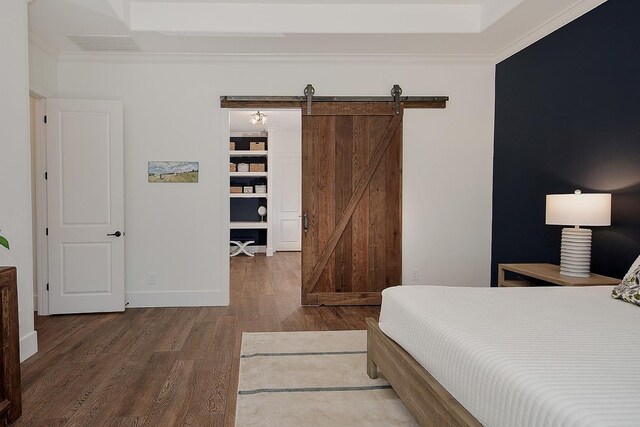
288,189
85,190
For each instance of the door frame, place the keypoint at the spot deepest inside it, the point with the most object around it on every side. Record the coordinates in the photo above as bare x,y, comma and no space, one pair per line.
225,208
41,305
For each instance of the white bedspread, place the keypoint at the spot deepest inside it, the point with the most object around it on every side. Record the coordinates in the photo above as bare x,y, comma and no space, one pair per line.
516,357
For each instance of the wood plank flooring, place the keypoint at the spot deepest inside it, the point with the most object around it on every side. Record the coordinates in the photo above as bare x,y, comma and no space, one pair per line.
166,366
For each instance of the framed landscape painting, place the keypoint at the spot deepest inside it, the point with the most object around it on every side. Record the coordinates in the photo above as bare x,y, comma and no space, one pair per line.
173,171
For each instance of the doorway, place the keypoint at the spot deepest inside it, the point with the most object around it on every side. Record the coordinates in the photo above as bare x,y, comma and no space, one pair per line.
265,172
265,181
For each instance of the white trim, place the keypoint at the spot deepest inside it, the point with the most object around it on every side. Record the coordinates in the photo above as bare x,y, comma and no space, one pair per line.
269,249
38,91
225,208
274,58
42,251
561,19
28,345
176,299
288,133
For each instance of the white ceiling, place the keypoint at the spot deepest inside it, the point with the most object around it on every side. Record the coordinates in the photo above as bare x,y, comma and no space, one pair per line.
280,120
405,27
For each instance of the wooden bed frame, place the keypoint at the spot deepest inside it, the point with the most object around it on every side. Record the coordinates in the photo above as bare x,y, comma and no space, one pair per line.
428,401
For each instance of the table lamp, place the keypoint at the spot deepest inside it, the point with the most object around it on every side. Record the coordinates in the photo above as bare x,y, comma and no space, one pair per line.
577,209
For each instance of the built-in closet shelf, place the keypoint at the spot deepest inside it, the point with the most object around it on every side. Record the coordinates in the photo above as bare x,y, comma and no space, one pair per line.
247,225
247,174
247,153
248,195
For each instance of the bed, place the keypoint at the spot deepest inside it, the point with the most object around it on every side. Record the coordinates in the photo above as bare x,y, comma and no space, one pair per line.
537,356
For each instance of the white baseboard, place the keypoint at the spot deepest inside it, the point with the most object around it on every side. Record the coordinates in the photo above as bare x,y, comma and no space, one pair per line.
28,345
176,299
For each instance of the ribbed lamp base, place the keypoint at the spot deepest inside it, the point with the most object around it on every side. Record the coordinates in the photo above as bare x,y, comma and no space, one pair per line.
575,252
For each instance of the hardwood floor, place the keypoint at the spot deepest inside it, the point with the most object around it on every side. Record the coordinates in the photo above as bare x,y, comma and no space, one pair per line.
166,366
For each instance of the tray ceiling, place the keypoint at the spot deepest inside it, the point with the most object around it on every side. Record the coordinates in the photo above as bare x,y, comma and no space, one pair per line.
381,27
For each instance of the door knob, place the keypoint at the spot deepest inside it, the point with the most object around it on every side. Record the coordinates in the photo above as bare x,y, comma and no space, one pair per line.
305,222
116,234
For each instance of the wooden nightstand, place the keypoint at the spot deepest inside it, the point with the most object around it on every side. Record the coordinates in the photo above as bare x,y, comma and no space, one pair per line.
549,273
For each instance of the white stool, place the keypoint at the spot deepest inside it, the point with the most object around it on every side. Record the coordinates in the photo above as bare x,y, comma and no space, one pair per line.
241,247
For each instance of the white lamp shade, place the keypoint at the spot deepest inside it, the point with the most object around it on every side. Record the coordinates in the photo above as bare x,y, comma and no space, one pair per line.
579,209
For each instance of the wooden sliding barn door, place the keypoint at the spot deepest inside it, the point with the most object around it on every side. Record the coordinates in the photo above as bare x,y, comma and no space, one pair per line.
352,199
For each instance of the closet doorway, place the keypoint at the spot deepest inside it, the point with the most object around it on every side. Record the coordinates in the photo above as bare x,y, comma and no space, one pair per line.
265,184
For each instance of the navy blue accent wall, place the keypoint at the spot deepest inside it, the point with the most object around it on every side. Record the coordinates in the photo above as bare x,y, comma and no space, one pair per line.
568,117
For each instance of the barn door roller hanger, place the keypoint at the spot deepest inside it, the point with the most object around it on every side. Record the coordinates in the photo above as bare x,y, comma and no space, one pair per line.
309,98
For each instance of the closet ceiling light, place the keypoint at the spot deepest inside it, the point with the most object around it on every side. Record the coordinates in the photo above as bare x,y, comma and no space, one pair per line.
259,117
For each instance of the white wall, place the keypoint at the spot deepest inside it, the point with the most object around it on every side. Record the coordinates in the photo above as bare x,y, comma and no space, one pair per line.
172,113
15,162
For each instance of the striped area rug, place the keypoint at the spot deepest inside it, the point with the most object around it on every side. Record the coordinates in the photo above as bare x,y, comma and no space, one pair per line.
313,379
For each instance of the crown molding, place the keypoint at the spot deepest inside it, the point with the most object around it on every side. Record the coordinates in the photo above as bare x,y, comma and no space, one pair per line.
273,58
553,24
44,46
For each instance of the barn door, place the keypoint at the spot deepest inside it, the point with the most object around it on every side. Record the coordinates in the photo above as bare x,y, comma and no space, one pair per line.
351,202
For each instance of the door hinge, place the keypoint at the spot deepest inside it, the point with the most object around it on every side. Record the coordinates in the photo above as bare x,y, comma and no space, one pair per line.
46,231
45,119
47,286
46,176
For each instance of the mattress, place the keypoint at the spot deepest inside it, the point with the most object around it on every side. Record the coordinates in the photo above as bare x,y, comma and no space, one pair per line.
539,356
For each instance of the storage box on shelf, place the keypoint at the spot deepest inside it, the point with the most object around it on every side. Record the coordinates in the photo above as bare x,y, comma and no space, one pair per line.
233,167
257,167
235,189
256,146
243,167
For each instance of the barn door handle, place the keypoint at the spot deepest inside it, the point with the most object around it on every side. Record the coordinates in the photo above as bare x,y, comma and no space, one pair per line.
116,234
305,222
